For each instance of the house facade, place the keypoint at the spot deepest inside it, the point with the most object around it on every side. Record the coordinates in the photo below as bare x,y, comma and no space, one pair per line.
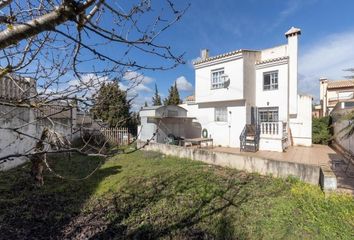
247,94
334,91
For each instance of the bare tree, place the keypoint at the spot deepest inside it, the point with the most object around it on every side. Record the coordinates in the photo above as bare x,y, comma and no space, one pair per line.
351,73
57,53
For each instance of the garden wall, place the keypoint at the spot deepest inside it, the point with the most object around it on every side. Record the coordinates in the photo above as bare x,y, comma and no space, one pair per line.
264,166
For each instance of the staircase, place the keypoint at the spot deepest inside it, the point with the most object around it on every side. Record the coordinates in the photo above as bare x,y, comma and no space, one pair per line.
249,138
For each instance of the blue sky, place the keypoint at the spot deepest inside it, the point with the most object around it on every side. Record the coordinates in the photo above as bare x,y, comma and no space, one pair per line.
326,43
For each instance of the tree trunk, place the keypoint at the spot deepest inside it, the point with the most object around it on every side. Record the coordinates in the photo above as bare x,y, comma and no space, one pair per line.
37,168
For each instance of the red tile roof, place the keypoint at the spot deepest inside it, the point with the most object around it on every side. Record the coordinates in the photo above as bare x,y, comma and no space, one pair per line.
341,83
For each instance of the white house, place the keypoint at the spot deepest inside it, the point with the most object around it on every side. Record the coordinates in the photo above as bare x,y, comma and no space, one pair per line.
334,91
249,98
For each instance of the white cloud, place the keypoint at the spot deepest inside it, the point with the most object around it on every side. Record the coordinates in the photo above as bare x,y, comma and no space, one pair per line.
325,58
90,80
83,88
183,84
140,102
136,85
142,88
137,77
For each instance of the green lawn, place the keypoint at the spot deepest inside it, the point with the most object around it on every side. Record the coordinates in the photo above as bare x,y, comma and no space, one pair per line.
146,195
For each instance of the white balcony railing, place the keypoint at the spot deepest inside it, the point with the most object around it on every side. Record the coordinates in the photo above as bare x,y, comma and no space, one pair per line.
273,129
334,100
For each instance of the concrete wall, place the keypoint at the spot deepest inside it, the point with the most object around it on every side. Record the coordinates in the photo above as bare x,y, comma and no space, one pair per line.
14,143
301,125
25,120
264,166
340,123
270,144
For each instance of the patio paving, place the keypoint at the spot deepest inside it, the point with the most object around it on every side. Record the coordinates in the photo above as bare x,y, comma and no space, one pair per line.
318,155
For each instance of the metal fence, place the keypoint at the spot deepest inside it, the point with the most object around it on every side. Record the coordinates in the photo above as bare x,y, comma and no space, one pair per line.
120,136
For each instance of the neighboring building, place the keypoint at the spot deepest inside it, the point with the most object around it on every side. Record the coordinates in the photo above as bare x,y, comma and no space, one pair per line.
334,91
253,88
317,111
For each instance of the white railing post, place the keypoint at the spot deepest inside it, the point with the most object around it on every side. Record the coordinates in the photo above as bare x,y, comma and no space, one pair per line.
273,129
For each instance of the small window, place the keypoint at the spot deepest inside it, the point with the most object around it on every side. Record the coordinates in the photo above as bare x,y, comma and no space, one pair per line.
270,114
217,81
270,80
221,114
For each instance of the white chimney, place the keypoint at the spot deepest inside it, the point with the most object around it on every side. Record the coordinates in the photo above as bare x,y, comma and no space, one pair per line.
323,95
204,54
292,36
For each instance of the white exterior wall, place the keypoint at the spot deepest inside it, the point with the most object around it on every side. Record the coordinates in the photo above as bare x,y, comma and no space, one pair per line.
146,129
275,98
293,66
245,71
233,68
223,133
274,52
249,80
301,126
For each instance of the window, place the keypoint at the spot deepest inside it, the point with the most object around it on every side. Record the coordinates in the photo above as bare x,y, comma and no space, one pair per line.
221,114
216,78
268,114
270,80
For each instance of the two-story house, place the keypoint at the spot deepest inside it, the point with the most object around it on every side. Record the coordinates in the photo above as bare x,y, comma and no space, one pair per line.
249,98
334,91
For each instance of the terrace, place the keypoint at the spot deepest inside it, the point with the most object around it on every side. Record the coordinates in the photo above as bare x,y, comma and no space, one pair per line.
310,164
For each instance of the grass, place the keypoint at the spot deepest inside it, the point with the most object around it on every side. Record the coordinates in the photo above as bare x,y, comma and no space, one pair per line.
146,195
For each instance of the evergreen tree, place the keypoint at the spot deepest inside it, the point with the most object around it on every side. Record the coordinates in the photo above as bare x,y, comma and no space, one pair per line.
156,99
110,104
145,104
173,96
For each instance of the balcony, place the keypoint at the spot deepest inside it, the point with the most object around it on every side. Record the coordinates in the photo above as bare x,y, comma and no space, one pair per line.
334,100
275,130
273,136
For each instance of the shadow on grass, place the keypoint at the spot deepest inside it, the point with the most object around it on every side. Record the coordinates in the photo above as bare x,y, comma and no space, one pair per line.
27,212
160,208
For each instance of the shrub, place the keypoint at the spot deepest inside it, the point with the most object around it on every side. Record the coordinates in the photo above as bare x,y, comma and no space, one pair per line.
321,130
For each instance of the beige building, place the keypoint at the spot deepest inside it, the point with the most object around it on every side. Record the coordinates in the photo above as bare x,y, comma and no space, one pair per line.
334,91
